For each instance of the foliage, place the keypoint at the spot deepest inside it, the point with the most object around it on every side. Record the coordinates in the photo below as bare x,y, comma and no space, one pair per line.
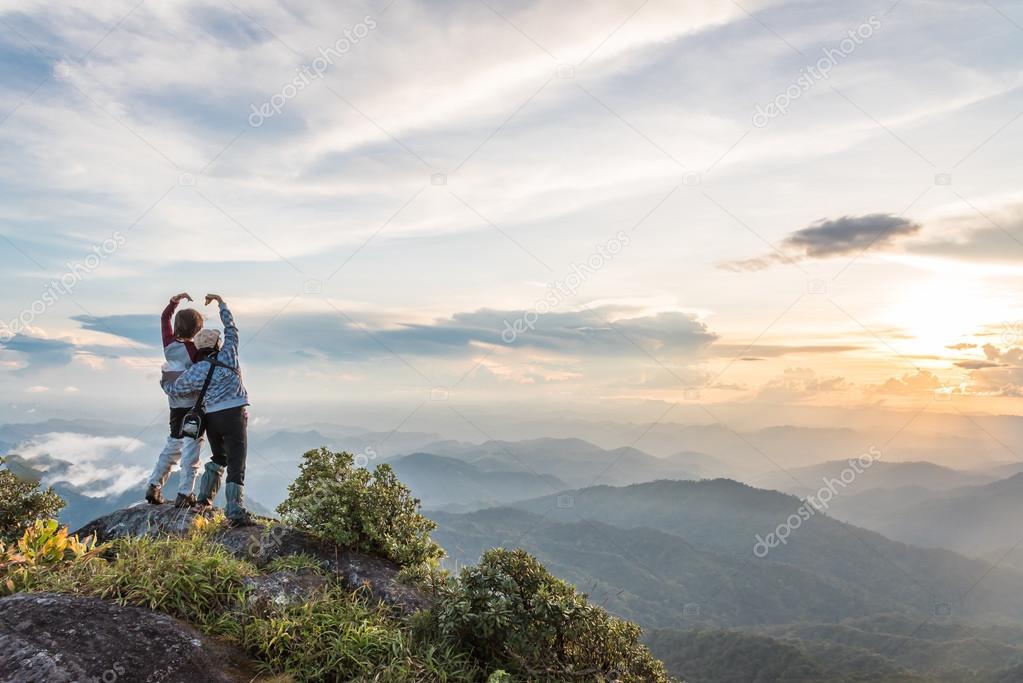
368,512
41,546
190,578
340,637
22,503
511,613
336,636
298,562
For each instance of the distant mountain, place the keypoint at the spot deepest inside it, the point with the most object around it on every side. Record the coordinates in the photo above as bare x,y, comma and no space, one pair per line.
574,461
708,656
289,445
655,578
801,481
874,508
726,517
976,520
439,482
939,648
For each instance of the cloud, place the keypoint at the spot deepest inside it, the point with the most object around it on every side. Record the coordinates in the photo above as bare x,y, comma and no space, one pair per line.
963,346
93,464
988,235
799,383
1000,374
843,236
44,353
976,364
606,331
761,351
141,328
910,383
41,353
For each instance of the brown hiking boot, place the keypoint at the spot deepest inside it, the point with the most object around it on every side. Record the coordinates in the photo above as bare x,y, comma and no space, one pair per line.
154,495
183,501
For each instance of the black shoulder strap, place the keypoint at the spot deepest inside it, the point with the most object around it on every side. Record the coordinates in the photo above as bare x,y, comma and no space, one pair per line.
216,363
212,359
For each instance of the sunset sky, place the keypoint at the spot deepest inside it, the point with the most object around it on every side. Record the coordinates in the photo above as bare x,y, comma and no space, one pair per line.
761,203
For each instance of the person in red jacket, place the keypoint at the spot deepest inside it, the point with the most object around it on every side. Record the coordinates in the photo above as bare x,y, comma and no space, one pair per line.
180,354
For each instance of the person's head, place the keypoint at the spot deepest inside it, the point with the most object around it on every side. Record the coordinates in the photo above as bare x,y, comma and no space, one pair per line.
207,341
187,323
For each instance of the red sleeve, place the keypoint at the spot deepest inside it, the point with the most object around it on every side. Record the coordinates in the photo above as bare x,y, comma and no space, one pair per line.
193,352
165,324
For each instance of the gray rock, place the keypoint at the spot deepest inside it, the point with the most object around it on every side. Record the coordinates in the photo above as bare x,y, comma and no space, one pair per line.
282,589
55,638
262,544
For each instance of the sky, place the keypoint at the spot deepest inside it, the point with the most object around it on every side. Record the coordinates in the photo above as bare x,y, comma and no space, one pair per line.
595,208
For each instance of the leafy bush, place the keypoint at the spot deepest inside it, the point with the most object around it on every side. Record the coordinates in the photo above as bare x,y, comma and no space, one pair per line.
43,545
336,636
189,578
369,512
340,637
22,503
512,614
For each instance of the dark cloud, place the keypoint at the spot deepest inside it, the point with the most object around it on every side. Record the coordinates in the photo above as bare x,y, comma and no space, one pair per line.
845,236
144,329
41,353
335,337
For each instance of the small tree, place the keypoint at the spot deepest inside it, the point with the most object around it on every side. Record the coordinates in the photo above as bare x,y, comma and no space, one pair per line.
369,512
510,612
22,502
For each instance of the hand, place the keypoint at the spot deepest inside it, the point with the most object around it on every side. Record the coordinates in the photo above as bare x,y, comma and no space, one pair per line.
214,297
178,297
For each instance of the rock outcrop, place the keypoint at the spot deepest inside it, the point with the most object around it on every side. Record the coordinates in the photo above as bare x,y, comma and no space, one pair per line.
60,638
263,544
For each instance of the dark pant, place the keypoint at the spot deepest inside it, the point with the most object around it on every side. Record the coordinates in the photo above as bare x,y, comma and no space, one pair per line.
177,416
226,430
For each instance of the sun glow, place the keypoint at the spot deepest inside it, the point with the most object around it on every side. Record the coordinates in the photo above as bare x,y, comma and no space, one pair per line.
943,311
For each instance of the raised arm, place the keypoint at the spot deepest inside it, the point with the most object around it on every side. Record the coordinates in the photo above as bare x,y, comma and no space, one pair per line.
229,352
166,329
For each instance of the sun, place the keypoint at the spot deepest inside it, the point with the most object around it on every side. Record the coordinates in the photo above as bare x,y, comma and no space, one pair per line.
941,311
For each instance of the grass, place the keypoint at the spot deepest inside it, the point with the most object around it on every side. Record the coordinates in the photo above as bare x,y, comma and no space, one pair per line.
337,636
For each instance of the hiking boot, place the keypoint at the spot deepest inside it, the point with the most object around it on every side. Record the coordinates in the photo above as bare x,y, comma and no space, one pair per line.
183,501
209,484
154,495
244,519
237,515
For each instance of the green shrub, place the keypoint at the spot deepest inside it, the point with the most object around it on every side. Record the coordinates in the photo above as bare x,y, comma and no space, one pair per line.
368,512
341,637
189,578
512,614
22,503
42,547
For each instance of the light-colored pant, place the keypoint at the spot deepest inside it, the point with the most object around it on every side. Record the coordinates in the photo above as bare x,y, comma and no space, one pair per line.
186,450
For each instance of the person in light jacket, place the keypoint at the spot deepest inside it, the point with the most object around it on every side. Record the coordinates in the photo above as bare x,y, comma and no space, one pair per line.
226,415
180,353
